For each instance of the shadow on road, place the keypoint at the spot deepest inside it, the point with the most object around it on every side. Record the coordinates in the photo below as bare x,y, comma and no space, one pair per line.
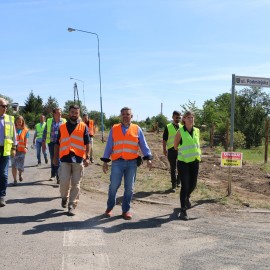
31,200
35,218
34,183
206,201
143,194
97,222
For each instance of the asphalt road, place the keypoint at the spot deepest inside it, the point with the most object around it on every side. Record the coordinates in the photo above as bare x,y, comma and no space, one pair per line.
36,233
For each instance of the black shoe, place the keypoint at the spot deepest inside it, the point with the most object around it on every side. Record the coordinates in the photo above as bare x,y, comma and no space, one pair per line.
46,160
71,211
173,190
64,202
183,214
57,180
91,160
188,203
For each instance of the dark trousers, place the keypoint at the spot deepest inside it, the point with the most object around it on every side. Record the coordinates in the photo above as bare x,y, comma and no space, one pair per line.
54,169
4,160
175,176
189,175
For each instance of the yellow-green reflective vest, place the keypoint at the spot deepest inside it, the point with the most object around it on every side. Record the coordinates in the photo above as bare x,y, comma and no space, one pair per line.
40,129
49,127
9,134
171,135
190,149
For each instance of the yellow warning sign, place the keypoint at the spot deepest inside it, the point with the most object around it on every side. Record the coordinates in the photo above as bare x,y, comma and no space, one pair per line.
231,159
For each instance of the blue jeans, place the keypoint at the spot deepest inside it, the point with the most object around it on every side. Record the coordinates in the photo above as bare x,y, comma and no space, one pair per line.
120,168
54,169
38,147
3,175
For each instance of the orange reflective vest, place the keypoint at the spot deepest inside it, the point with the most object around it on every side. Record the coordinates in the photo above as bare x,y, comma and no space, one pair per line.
125,146
21,143
91,127
73,142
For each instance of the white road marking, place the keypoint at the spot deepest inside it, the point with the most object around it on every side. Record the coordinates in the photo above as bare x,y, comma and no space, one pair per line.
82,237
74,259
86,262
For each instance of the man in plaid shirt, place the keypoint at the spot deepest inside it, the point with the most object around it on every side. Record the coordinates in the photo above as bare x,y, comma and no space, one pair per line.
50,135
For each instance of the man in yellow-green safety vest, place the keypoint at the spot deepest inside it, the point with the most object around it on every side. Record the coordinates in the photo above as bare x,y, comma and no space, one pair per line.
37,140
168,148
7,147
49,137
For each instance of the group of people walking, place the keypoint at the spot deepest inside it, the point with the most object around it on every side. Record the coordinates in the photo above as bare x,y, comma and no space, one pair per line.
70,145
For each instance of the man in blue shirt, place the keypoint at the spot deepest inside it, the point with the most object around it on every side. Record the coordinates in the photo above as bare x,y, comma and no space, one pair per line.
122,146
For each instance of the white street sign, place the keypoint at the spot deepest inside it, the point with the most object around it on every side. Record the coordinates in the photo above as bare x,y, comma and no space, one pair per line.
252,81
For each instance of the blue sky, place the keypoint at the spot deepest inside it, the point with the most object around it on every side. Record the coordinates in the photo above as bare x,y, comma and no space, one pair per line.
152,51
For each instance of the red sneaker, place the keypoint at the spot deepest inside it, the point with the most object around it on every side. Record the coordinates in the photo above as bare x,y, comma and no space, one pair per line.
108,213
127,215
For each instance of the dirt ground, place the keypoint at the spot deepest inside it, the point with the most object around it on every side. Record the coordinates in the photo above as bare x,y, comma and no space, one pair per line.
250,184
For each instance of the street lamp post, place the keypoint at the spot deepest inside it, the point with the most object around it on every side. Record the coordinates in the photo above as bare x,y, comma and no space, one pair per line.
101,111
83,88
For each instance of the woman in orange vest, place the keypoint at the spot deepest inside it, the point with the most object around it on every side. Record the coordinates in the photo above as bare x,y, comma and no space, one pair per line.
17,162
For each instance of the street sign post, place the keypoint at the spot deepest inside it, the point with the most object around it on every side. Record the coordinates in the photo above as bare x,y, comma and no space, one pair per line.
252,81
246,81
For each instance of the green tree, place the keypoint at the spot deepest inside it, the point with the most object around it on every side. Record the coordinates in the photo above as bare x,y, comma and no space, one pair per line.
31,118
216,112
148,121
160,120
113,120
251,109
96,116
33,104
51,104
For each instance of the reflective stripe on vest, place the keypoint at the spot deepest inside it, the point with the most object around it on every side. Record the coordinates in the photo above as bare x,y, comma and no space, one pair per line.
9,134
21,141
189,150
73,142
125,146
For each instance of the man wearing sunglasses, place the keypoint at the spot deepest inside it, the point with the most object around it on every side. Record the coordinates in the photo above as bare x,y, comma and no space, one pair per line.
168,148
7,147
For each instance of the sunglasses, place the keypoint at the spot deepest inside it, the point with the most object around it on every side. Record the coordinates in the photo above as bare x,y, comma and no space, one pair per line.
4,106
